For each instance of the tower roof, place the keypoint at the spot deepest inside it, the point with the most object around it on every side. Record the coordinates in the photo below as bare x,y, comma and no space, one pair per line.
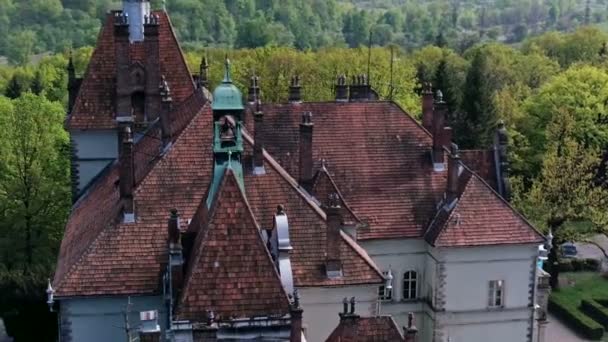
227,96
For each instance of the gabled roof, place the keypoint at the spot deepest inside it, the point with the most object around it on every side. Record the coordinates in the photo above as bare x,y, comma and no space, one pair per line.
231,272
480,217
323,185
379,157
366,329
94,107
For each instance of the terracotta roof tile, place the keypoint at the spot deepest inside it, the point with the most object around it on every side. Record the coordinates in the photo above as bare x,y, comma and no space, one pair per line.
366,329
482,163
94,106
323,185
231,272
480,218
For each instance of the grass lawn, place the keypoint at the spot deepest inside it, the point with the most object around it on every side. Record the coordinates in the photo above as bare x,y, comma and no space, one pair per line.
576,286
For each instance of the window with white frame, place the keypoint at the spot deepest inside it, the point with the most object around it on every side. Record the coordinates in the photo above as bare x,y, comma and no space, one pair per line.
383,292
410,285
496,294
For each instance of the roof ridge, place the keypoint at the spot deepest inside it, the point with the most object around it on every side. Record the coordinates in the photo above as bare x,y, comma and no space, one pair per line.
179,47
325,171
285,175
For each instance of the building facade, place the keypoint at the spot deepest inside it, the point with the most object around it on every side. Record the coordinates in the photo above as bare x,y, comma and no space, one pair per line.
214,218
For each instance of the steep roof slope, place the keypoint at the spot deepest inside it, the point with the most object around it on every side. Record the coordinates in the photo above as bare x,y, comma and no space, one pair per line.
366,329
480,218
94,106
379,156
231,272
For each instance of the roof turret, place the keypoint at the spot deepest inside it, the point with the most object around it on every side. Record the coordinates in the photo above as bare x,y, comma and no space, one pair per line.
227,96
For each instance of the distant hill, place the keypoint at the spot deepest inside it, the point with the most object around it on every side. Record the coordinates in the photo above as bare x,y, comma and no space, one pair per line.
56,25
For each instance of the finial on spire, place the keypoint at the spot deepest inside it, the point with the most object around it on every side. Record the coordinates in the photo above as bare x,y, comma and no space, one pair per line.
439,96
227,77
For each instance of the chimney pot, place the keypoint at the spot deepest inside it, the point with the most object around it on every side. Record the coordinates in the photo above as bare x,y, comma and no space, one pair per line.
439,139
306,161
166,105
295,90
127,177
427,106
341,89
258,147
333,264
254,89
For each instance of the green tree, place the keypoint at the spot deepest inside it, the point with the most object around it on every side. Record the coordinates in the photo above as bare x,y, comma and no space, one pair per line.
14,88
37,86
34,181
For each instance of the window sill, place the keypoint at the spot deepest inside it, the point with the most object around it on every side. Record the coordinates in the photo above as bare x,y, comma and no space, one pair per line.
495,308
413,300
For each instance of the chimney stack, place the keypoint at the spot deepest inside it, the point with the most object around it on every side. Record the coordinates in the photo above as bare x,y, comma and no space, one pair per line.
410,331
501,161
127,176
165,110
176,259
453,174
123,62
254,90
439,137
295,312
152,65
341,89
295,90
258,147
306,163
359,88
203,76
136,11
333,262
427,106
149,330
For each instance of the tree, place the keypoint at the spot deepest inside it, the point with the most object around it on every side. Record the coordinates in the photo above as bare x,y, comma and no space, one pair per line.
14,88
474,125
37,86
565,191
34,180
445,80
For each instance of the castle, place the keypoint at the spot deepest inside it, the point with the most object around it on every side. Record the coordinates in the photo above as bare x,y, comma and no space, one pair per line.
201,216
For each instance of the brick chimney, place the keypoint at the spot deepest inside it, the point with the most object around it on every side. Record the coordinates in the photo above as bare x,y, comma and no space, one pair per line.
123,62
295,312
410,331
306,163
439,136
427,106
360,88
165,110
253,92
127,175
149,330
153,77
258,147
295,90
333,261
501,161
453,174
341,89
348,320
203,75
137,11
175,252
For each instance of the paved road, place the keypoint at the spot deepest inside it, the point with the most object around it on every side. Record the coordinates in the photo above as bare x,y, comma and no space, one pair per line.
558,332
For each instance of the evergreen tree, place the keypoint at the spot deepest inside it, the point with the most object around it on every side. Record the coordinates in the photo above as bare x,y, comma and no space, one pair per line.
14,88
478,118
37,87
444,81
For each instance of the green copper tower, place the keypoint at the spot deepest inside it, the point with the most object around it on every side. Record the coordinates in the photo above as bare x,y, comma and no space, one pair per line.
228,111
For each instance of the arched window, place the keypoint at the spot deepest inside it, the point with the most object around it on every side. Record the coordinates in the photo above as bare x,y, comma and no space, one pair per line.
410,285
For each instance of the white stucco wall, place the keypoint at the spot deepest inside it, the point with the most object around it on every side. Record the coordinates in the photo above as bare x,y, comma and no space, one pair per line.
102,319
95,150
322,306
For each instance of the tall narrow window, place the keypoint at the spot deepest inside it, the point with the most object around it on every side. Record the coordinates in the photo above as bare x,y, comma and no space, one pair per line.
383,292
410,285
496,294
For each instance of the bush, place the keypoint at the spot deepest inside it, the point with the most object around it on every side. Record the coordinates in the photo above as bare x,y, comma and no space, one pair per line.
565,265
596,311
592,264
569,312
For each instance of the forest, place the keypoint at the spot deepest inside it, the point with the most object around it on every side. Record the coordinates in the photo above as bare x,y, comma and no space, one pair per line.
41,26
539,66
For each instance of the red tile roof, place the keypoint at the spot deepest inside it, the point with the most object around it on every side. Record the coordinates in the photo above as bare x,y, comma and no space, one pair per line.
231,272
100,256
366,329
323,185
94,107
379,156
482,163
480,217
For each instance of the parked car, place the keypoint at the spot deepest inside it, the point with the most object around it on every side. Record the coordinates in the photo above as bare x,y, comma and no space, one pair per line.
568,250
